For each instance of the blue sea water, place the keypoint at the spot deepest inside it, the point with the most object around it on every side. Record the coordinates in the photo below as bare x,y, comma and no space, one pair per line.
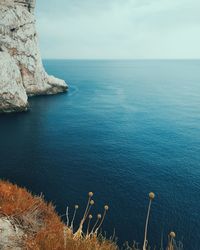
125,128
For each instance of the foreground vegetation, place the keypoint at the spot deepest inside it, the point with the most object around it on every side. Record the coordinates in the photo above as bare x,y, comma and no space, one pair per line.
27,222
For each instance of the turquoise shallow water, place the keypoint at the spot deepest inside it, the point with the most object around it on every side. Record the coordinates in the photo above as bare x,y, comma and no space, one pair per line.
124,129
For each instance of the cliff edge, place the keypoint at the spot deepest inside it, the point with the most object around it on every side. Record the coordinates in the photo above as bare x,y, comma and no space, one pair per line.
21,71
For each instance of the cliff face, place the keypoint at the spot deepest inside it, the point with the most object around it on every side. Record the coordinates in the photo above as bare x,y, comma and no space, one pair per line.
22,73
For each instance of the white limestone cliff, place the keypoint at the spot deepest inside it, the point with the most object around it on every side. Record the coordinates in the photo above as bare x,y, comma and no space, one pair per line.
21,70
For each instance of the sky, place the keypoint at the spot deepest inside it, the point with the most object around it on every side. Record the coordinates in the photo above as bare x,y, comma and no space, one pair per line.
119,29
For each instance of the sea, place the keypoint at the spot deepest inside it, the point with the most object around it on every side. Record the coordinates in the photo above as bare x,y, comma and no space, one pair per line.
124,129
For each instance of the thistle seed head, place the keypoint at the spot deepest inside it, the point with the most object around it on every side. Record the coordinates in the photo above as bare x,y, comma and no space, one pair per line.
172,234
76,206
90,194
106,207
151,196
91,202
99,216
90,216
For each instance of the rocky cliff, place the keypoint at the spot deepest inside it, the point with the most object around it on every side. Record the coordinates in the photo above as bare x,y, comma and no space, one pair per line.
21,70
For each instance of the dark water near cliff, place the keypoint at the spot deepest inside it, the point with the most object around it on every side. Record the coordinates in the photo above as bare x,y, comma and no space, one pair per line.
124,129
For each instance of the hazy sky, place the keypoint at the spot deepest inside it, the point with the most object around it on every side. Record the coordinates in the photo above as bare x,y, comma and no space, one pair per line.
119,28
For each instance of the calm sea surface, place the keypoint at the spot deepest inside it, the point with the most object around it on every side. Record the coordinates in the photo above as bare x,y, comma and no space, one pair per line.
124,129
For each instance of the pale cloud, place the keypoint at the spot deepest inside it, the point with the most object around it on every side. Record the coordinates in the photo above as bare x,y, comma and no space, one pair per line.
119,28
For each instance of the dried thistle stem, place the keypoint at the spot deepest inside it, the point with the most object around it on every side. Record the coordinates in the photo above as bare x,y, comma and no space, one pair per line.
67,215
151,197
102,220
88,226
97,220
74,215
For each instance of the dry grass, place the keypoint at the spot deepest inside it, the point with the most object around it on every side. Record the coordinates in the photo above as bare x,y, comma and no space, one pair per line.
42,228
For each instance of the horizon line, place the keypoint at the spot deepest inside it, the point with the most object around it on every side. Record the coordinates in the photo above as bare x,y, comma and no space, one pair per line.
122,59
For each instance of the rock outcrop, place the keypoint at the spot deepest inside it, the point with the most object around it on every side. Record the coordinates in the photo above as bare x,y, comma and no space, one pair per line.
21,70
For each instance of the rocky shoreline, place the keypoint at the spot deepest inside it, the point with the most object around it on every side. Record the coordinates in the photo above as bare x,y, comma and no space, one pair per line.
22,73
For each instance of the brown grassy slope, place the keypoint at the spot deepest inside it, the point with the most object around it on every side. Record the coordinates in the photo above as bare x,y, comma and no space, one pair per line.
42,227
